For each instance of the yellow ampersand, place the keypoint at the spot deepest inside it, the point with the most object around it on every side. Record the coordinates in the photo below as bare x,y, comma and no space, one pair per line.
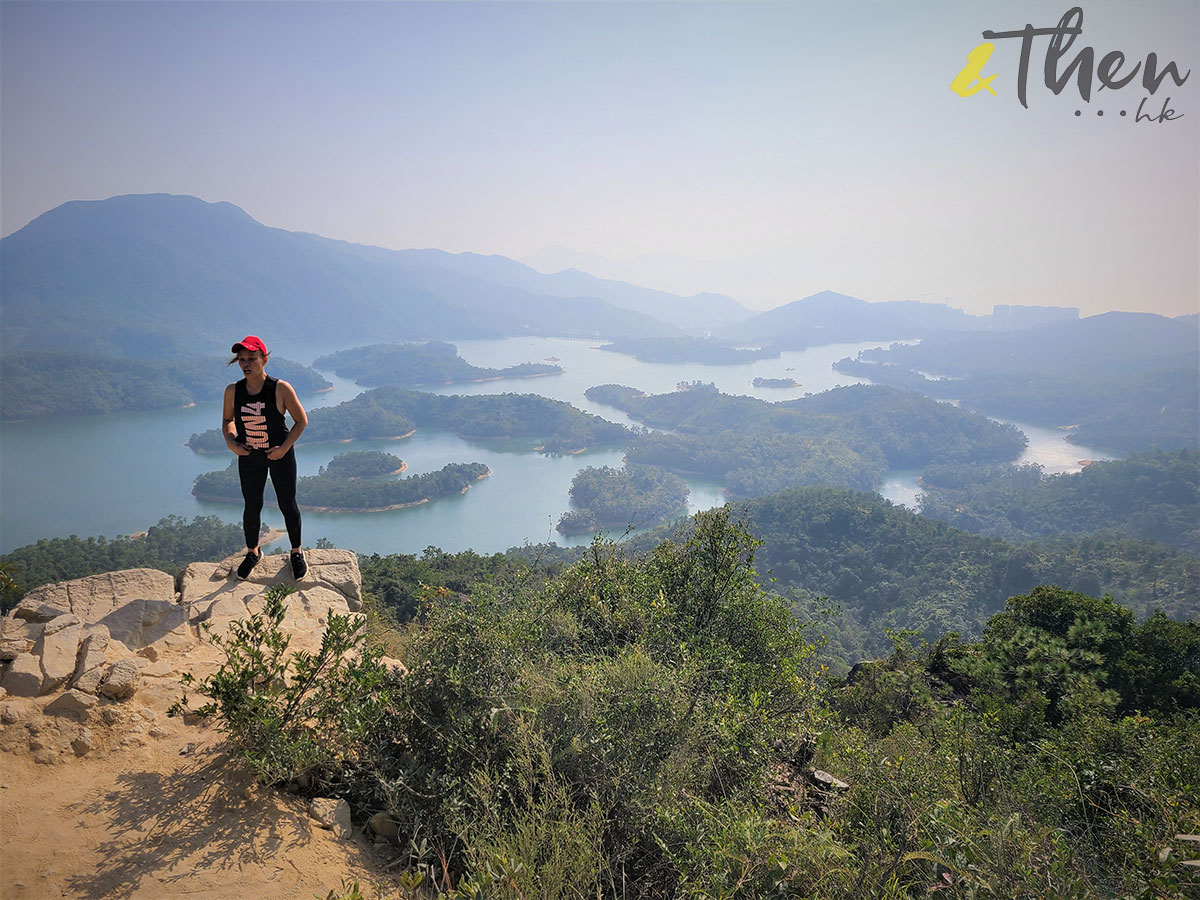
968,82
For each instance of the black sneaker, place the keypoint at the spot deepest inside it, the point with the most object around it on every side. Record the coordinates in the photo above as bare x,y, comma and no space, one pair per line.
299,565
248,564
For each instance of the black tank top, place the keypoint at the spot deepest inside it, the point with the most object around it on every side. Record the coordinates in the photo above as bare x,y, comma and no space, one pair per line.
257,417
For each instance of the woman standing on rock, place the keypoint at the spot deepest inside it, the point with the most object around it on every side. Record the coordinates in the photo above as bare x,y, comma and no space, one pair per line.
254,428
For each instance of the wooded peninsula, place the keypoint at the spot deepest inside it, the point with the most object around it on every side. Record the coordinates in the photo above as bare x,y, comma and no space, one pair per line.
390,411
416,364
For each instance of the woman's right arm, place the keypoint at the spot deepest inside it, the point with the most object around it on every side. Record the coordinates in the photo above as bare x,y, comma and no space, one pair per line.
228,426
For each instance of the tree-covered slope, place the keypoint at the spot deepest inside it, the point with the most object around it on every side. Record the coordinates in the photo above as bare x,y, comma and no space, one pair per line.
652,725
887,567
1153,495
41,383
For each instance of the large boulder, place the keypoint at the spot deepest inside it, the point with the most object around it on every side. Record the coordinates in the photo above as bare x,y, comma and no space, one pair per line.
58,648
124,633
24,676
94,597
142,622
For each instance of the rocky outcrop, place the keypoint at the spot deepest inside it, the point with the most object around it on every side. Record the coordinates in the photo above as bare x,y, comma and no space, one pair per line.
75,650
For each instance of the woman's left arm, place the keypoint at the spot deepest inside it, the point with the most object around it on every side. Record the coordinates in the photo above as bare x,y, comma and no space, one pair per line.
286,399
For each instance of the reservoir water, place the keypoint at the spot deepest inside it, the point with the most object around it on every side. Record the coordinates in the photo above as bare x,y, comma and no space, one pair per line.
120,473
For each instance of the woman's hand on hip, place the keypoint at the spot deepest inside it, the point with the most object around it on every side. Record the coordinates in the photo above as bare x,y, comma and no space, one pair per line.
276,453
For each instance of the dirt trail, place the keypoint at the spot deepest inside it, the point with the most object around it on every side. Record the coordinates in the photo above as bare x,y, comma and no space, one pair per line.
164,820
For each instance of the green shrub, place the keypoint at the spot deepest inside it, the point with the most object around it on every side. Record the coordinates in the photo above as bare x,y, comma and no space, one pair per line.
307,718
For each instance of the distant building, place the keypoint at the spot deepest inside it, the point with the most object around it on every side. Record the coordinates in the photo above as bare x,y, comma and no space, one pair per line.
1007,318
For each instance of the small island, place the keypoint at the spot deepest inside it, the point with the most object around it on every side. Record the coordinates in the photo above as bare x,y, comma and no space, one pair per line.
364,464
761,382
413,365
635,496
332,492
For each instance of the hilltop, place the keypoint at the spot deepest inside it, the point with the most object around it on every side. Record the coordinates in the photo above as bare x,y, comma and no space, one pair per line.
660,716
107,795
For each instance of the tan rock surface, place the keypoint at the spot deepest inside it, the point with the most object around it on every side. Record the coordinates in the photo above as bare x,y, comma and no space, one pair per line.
94,597
104,796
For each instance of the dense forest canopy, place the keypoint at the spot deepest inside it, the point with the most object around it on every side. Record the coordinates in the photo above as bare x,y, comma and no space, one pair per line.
631,496
37,384
395,412
847,436
409,365
887,567
656,724
1153,495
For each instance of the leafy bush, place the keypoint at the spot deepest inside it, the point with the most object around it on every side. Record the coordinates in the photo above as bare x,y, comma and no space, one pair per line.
305,718
640,727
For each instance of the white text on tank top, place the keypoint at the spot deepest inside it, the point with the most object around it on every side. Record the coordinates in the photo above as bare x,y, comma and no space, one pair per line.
256,425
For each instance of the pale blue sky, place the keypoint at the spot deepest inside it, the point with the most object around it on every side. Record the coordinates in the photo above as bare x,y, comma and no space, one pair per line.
767,151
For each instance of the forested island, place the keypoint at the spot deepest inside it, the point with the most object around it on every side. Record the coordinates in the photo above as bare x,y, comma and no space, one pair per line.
332,492
41,383
609,497
847,436
1122,381
688,350
363,464
384,412
412,365
761,382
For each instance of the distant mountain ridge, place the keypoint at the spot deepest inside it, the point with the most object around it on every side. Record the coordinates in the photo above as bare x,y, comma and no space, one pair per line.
153,275
829,317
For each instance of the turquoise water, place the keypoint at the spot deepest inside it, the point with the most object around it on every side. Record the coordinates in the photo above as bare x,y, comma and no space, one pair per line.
120,473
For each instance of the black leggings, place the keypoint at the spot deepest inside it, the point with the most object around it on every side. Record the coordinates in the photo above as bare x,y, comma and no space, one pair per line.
252,470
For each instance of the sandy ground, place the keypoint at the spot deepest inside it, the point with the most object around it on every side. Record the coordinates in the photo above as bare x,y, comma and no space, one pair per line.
145,815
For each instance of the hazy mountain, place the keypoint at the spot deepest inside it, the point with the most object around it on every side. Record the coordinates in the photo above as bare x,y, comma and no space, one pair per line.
698,312
437,267
153,275
830,317
1102,345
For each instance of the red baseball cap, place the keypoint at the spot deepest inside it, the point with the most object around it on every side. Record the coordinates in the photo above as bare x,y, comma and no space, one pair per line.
250,342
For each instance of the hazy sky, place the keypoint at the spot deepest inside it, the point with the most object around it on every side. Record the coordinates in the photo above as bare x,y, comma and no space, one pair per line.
767,151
